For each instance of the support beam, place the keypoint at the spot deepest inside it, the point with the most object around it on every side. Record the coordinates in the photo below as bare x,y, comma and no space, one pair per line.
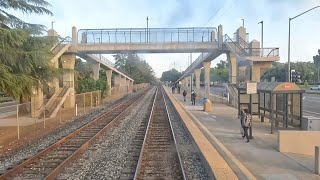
220,36
117,83
95,66
197,72
233,69
127,86
258,69
68,62
36,102
109,77
74,36
206,66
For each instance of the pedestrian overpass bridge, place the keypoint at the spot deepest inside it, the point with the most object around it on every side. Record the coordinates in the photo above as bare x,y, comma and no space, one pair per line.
89,44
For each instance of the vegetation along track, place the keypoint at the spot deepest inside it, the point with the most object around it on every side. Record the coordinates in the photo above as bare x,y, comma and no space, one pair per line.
159,157
48,163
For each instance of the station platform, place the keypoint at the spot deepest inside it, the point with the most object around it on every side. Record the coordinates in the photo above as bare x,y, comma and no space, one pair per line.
258,159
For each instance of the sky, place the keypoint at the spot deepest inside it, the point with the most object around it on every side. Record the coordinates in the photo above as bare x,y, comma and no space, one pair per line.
99,14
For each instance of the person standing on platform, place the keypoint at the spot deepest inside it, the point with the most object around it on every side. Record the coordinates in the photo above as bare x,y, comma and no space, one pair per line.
184,95
245,121
193,97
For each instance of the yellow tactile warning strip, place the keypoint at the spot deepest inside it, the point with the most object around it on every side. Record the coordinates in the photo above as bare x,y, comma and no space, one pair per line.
218,165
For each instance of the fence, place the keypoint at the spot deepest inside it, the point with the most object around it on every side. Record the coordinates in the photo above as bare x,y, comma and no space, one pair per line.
17,123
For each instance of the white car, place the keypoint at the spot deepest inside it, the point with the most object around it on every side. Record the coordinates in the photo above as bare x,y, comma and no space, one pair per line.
317,87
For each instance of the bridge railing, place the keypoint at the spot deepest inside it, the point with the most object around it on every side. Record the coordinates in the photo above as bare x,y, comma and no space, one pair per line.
104,59
147,35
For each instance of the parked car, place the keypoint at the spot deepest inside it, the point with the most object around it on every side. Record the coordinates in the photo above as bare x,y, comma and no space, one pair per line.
317,87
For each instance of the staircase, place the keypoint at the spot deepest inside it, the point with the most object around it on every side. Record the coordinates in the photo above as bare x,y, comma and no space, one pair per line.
56,101
233,94
60,48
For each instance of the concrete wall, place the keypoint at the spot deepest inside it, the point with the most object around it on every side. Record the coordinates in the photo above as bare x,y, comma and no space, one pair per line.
299,142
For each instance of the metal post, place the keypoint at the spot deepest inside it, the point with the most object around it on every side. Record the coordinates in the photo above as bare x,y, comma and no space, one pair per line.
18,124
242,22
91,99
44,117
261,38
147,29
76,110
288,70
271,113
289,78
84,103
317,160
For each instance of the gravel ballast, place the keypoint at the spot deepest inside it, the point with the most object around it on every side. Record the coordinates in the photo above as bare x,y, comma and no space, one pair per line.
192,163
41,143
105,159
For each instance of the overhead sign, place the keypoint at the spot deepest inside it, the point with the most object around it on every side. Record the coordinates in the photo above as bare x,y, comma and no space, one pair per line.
252,88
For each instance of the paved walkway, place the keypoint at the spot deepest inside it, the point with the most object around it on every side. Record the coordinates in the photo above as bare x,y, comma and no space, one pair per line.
260,156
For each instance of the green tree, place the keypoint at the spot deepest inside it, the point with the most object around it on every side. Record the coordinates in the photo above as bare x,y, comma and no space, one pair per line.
316,61
172,75
24,56
137,68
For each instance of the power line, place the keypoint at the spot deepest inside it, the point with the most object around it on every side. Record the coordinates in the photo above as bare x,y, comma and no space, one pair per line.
236,2
220,5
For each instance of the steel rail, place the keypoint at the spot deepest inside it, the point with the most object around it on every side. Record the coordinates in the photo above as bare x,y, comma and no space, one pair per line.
148,132
174,138
145,137
54,172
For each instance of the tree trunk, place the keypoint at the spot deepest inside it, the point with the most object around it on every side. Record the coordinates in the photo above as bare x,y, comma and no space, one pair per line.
23,107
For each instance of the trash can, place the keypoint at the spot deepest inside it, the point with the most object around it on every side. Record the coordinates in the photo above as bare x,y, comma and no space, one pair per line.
207,105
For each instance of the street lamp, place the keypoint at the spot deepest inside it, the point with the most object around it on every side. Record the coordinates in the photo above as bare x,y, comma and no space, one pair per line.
288,70
242,22
261,22
147,28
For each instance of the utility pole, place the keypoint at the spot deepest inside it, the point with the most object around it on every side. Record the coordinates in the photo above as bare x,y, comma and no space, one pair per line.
52,24
147,29
290,19
261,22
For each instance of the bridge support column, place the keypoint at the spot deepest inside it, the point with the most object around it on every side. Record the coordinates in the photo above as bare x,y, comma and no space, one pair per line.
258,69
95,68
131,86
36,101
109,77
233,68
127,86
206,66
197,73
117,83
68,62
220,36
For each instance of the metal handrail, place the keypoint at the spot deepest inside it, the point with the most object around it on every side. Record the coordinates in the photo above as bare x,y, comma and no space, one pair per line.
150,35
58,99
245,43
63,41
240,51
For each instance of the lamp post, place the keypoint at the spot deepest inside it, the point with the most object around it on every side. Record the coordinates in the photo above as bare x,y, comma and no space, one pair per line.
261,22
147,28
288,70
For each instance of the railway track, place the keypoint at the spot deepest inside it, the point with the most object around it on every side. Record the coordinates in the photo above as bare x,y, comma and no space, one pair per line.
48,163
159,156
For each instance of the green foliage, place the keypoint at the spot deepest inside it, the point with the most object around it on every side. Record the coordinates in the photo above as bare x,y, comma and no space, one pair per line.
24,57
279,71
306,85
220,73
84,81
10,21
172,75
138,69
